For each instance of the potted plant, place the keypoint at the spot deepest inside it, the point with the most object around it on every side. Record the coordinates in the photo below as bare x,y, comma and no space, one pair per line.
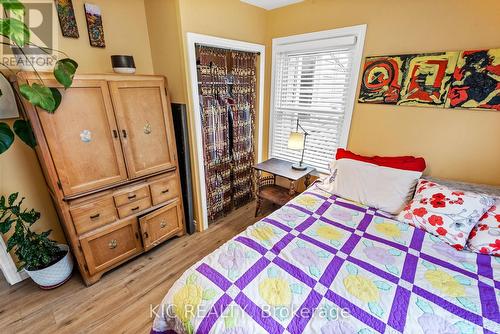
47,263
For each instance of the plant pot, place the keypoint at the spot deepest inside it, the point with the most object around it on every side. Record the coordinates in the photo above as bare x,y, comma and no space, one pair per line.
56,274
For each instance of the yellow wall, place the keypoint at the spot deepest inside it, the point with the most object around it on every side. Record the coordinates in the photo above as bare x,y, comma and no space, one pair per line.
19,168
166,45
222,18
125,32
457,144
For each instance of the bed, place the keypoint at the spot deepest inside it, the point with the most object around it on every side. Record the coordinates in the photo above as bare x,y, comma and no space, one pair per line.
322,264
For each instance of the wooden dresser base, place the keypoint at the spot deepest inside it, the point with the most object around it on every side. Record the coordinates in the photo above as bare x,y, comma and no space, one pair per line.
109,159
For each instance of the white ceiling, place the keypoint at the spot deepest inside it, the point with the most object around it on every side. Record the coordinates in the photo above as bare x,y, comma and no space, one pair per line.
271,4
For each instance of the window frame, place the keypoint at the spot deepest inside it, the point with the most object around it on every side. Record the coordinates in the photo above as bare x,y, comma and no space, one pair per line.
315,39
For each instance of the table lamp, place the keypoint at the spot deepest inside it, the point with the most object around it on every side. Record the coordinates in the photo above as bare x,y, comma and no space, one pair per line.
297,141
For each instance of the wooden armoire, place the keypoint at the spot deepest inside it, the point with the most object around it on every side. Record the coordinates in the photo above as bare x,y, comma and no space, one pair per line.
109,158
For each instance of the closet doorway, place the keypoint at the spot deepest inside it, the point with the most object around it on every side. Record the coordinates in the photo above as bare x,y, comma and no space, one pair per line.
228,119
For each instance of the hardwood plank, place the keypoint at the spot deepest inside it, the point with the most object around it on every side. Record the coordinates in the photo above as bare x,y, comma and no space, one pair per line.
121,301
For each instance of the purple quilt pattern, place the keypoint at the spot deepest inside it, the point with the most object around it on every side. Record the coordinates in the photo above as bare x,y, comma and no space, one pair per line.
322,264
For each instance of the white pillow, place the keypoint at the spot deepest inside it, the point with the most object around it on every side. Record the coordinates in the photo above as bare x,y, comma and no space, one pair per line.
384,188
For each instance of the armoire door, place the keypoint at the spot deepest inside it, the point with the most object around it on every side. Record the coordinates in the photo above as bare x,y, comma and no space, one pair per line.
143,115
83,137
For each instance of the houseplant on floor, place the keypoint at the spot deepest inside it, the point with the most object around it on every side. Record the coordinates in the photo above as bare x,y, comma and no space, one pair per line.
47,263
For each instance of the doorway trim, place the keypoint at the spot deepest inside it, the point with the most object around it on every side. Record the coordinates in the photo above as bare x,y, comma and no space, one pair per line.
8,266
223,43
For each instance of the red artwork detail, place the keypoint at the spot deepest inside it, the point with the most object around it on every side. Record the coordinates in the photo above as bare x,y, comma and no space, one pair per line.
418,89
474,82
380,82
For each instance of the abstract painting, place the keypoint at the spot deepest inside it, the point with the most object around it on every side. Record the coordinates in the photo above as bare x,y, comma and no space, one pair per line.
476,81
427,78
382,79
94,25
67,20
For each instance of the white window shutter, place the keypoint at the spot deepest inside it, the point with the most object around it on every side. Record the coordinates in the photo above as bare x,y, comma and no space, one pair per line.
312,82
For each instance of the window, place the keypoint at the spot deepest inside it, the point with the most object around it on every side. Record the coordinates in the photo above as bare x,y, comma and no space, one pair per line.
314,80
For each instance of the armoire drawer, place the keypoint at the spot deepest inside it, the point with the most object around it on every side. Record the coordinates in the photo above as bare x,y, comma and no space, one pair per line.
132,194
134,207
161,224
112,245
93,214
164,188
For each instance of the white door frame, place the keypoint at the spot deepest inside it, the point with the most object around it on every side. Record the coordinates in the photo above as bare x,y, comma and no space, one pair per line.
8,266
192,39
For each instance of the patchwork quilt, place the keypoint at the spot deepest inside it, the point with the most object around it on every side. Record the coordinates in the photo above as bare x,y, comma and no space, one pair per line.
322,264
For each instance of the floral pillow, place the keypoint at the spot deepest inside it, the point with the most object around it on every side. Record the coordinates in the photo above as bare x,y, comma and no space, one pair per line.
485,236
447,213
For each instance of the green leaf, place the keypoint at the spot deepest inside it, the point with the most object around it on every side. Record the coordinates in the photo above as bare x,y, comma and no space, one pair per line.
209,294
56,95
468,304
367,243
5,226
41,96
301,244
395,252
428,265
23,130
323,254
382,285
465,327
392,269
297,288
364,331
376,309
11,5
11,243
469,266
189,327
15,8
12,198
15,30
462,280
272,272
64,71
6,137
191,279
351,269
424,306
313,270
230,319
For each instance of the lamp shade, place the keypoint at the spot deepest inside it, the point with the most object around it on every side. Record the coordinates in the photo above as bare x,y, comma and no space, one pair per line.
296,141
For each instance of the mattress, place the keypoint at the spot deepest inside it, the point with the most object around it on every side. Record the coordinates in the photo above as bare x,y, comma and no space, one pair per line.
322,264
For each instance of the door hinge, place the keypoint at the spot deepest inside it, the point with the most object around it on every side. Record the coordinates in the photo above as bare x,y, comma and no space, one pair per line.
59,185
85,267
137,235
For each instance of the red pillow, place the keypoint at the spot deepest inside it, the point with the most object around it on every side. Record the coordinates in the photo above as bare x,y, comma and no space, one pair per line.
404,162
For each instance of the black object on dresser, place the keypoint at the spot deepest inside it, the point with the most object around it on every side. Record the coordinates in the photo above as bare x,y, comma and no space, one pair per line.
179,117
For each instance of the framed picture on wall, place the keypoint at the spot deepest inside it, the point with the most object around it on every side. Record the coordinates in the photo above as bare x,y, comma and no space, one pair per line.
67,20
476,81
94,25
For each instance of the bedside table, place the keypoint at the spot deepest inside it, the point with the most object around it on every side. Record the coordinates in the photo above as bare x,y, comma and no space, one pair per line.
266,187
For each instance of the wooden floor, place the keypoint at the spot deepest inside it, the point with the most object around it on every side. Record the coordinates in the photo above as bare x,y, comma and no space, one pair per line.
120,302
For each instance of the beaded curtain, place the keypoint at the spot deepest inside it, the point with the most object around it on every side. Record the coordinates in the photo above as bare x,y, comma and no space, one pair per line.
227,83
